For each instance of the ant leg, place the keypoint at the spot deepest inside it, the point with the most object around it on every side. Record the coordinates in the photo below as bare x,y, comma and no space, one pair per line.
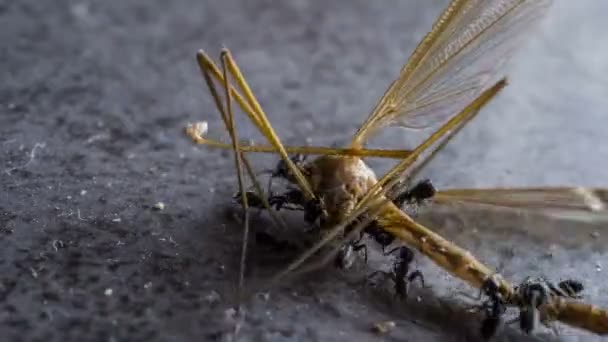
417,275
360,246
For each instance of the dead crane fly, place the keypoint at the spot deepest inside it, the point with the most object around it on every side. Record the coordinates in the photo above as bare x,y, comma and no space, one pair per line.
450,76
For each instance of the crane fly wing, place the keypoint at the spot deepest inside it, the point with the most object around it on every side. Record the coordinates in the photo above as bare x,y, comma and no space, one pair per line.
564,217
560,235
545,199
454,63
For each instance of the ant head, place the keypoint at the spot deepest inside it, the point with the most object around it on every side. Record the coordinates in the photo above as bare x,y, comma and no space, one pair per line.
424,189
571,285
534,294
490,287
282,169
313,210
406,255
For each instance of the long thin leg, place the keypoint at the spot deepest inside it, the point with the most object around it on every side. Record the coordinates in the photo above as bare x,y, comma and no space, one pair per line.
253,110
208,74
306,150
416,275
231,126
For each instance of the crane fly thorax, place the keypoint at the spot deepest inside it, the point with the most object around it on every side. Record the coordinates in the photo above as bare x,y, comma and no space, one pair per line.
340,182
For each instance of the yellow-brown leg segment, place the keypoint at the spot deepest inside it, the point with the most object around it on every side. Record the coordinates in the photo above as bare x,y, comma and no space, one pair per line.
581,315
307,150
247,103
231,127
252,109
228,119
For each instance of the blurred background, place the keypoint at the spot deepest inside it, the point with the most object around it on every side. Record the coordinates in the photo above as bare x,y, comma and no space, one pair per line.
94,100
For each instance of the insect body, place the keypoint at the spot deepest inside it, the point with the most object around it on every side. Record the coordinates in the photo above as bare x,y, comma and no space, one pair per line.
400,274
421,191
401,271
534,293
450,76
568,288
494,308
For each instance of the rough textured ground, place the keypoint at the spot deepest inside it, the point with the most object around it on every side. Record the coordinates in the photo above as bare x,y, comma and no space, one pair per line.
93,102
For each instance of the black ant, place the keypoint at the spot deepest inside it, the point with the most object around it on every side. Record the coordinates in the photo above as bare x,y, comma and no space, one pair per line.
494,308
421,191
534,293
401,275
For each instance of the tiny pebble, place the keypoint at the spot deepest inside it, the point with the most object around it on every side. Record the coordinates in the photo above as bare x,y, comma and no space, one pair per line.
230,315
383,327
147,285
83,192
116,220
159,206
595,235
212,297
108,292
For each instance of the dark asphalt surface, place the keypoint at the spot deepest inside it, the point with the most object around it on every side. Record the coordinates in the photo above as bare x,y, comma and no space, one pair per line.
94,99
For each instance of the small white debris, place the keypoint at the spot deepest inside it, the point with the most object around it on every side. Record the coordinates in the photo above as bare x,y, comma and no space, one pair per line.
230,315
148,285
130,156
550,252
108,292
383,327
213,297
265,296
200,128
57,244
69,197
159,206
418,299
211,190
83,192
116,220
598,266
595,234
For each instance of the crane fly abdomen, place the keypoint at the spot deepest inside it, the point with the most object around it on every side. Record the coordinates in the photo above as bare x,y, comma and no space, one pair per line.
340,181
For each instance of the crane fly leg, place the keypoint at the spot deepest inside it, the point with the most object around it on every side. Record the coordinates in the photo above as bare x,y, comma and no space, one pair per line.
249,105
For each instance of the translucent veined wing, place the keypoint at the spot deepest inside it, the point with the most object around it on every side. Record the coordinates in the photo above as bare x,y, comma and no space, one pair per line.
564,238
572,217
454,63
547,200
